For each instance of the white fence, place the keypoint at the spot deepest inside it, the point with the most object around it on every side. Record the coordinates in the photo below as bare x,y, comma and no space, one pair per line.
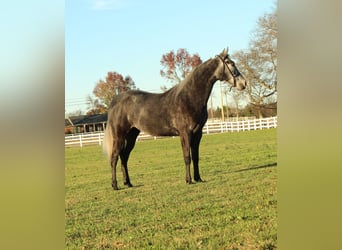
209,128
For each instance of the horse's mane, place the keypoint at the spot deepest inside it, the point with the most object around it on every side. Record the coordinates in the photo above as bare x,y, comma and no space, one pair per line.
201,72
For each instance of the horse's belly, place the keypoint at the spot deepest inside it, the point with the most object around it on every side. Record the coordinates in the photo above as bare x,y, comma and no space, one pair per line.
157,129
155,123
160,131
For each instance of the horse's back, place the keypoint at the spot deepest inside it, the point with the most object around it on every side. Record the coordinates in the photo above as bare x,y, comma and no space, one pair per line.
145,111
133,99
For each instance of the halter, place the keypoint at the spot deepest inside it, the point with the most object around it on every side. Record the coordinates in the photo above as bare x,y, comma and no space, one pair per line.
230,71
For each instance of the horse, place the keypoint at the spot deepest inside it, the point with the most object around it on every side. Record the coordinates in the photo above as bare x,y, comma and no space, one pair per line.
180,111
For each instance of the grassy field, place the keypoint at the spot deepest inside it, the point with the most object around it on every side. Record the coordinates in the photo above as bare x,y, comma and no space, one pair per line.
235,208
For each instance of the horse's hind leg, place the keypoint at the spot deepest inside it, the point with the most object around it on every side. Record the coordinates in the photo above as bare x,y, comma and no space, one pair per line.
124,155
117,146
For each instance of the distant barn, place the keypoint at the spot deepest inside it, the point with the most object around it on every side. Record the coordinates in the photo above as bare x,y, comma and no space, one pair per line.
85,123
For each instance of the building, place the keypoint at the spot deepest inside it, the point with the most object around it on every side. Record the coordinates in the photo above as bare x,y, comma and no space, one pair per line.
85,123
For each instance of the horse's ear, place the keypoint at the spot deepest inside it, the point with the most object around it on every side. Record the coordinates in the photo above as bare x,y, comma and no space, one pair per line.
224,53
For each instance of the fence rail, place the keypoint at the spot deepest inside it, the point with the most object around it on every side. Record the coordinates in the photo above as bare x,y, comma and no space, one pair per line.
209,128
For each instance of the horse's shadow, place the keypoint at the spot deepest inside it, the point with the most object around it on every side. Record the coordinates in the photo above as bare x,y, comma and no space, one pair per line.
138,185
134,186
274,164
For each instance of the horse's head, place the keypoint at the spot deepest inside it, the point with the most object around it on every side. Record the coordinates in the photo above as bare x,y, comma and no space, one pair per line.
227,71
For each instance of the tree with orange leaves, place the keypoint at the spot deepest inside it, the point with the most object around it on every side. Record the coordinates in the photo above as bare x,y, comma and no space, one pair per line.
176,66
114,84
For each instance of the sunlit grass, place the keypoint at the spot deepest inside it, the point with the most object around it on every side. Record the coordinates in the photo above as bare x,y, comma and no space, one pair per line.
235,208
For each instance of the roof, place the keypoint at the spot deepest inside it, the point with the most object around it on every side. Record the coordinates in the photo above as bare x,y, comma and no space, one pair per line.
85,119
67,122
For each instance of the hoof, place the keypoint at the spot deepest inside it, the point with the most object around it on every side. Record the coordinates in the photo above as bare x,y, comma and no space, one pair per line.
128,184
115,186
199,180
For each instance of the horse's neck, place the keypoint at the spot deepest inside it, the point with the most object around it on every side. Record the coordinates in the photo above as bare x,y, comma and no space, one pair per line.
200,82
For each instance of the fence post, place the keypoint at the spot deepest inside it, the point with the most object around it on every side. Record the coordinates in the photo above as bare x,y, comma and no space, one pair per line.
80,141
99,139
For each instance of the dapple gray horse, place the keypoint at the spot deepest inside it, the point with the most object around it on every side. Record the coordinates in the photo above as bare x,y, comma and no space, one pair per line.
180,111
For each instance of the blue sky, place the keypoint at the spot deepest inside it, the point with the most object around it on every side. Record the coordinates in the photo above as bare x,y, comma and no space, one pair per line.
130,37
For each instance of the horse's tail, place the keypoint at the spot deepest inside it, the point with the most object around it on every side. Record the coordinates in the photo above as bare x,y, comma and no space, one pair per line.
107,144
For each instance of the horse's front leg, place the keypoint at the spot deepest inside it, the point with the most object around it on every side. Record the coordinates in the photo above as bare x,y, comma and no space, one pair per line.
185,141
196,139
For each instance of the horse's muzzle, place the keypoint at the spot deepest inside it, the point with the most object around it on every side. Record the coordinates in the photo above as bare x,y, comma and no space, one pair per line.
241,84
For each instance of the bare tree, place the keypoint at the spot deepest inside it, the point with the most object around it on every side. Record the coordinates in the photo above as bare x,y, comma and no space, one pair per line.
238,97
95,106
259,62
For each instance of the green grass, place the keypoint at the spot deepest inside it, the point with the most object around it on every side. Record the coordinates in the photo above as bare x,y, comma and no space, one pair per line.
235,208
